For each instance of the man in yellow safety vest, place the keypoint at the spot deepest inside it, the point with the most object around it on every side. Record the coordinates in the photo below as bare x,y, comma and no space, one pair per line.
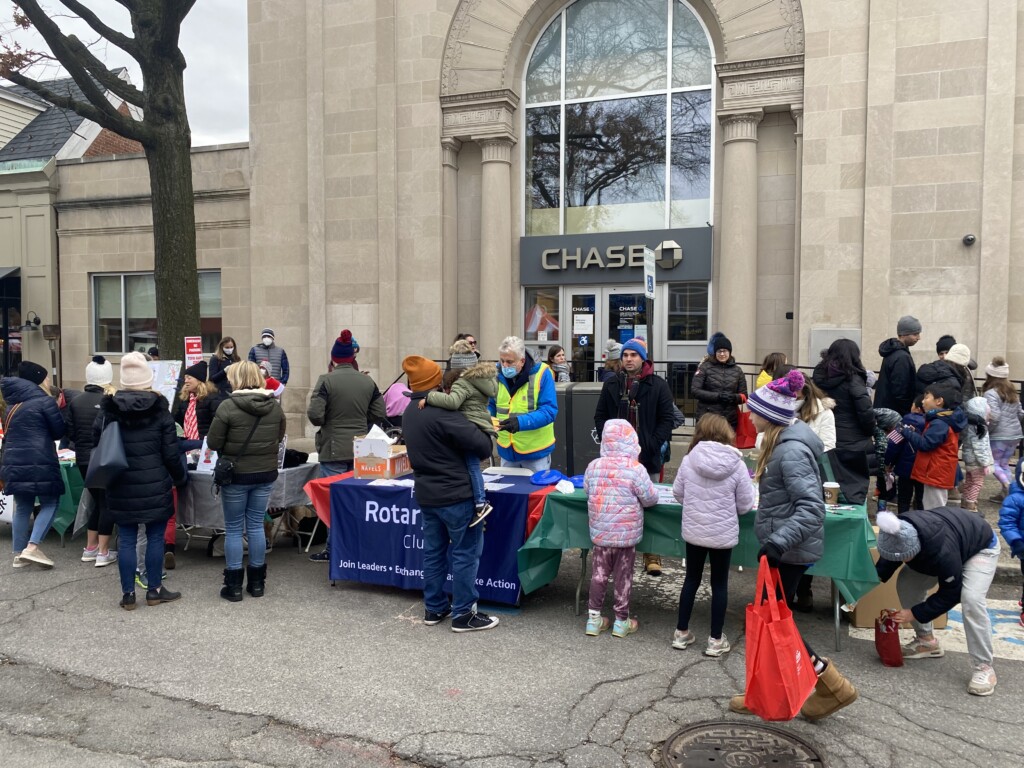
525,408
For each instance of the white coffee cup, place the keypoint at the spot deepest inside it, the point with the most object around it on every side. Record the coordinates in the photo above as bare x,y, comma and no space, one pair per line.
831,493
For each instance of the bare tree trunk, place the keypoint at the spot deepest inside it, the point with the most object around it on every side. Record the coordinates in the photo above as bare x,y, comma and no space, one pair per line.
174,240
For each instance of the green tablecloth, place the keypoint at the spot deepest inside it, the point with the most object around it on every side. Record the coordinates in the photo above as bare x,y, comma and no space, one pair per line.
847,560
68,506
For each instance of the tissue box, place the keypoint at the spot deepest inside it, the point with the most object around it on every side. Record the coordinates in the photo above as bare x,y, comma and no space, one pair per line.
376,458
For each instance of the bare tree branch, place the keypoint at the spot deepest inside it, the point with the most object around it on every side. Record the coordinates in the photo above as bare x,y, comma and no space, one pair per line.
125,43
120,124
59,46
104,76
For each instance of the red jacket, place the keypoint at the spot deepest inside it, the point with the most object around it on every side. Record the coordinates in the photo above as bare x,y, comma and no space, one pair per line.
937,447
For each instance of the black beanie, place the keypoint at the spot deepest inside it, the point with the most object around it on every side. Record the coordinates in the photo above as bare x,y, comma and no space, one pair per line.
722,342
197,371
32,372
944,344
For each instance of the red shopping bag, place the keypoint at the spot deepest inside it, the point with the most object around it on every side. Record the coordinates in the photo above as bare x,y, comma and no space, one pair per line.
746,434
887,639
780,673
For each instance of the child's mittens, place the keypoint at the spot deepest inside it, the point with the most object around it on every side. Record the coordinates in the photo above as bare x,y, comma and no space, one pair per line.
1017,548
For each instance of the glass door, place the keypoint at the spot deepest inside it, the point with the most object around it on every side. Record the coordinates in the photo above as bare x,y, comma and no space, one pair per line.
583,352
627,315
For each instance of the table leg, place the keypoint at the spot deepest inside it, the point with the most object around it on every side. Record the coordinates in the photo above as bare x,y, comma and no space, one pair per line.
583,575
837,600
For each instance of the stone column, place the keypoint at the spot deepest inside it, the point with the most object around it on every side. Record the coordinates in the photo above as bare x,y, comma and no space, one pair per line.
737,274
495,244
796,356
449,239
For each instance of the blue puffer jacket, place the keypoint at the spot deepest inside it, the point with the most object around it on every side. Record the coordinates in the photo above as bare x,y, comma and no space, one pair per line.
1011,514
900,455
30,465
791,511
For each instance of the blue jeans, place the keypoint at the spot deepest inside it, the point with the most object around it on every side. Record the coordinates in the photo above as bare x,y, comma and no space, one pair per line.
534,465
476,478
331,468
441,526
127,560
23,504
245,507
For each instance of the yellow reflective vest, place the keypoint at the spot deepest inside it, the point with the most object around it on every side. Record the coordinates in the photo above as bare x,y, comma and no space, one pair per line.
524,401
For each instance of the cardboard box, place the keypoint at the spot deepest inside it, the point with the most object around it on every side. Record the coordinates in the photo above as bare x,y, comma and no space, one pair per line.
884,596
377,459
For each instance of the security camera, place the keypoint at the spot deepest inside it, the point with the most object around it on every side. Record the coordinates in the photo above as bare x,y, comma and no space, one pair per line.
970,240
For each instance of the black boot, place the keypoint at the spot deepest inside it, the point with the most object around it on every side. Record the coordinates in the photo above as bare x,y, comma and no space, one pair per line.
257,579
232,589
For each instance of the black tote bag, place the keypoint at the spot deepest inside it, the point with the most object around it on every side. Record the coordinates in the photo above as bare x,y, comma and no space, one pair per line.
108,458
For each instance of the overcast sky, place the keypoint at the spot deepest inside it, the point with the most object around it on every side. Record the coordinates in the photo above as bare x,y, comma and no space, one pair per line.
213,39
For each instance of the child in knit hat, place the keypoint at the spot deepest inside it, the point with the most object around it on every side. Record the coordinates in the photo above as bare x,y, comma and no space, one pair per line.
956,551
1005,420
790,521
472,385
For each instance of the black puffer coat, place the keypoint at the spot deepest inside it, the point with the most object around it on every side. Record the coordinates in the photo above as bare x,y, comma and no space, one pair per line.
895,386
945,372
142,494
855,420
30,456
654,412
80,416
711,381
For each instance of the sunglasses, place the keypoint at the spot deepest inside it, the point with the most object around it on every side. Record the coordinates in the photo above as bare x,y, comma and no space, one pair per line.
472,342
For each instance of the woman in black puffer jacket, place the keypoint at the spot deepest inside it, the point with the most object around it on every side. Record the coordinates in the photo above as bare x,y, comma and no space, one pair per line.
842,377
719,384
80,416
32,422
142,494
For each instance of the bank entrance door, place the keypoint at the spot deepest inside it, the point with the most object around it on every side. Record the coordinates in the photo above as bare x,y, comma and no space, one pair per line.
598,314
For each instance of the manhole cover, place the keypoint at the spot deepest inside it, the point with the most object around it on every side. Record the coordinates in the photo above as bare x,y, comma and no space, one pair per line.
728,744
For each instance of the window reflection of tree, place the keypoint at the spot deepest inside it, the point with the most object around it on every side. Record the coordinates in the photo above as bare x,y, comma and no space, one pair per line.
542,132
615,152
543,80
691,55
691,145
615,47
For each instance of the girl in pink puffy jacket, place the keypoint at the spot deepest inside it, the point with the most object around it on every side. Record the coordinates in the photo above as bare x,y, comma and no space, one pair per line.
714,488
618,488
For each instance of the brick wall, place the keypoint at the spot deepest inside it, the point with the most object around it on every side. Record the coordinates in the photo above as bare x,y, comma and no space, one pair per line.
110,143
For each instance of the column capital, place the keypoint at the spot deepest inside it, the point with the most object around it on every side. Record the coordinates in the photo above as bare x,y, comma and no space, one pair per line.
740,126
495,149
450,152
797,111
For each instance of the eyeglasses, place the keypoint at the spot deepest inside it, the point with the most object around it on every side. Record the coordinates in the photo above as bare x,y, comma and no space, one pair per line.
472,342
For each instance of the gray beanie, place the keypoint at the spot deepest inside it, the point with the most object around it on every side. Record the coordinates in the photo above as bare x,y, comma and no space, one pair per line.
614,349
908,325
463,355
897,539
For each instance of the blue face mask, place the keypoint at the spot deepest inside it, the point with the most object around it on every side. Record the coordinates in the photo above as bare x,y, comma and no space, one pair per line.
509,371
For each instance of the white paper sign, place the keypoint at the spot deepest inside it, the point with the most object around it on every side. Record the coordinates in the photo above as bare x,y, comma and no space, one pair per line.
582,324
6,509
207,459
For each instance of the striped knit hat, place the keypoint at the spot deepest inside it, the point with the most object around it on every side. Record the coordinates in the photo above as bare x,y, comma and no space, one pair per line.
778,400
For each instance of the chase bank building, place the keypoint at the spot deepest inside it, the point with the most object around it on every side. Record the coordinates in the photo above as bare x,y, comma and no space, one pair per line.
424,167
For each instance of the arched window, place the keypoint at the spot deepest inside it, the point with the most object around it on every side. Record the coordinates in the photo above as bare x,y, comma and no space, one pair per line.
619,119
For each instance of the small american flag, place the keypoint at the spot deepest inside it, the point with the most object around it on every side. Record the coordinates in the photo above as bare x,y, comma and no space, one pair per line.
895,437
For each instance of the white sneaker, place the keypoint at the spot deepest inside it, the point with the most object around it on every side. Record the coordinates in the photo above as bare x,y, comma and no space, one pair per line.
19,563
89,555
718,647
681,640
983,681
36,556
103,560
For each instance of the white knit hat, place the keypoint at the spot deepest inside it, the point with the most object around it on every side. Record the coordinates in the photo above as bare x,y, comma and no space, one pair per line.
135,371
998,370
959,354
99,372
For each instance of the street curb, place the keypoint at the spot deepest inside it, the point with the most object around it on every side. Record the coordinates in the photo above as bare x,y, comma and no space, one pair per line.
1007,574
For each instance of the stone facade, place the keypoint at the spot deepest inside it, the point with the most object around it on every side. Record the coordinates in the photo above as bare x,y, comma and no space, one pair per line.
856,144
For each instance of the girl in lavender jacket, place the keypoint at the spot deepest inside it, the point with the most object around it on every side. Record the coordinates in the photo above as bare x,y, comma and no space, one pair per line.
618,488
716,488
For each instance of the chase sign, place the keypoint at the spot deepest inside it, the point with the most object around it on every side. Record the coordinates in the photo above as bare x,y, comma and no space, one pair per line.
615,257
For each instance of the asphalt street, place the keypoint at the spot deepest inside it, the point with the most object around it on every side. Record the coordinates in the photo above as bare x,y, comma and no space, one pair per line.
349,676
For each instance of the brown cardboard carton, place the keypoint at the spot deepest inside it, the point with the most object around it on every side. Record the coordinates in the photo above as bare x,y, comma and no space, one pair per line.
884,596
379,460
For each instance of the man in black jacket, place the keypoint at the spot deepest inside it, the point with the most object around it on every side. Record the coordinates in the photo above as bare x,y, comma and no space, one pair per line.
438,441
897,378
643,399
956,550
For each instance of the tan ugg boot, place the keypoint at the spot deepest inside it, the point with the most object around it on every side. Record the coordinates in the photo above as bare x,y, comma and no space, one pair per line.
970,506
832,693
652,564
738,704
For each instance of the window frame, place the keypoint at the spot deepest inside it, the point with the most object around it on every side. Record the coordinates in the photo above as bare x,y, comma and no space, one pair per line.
666,92
123,302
